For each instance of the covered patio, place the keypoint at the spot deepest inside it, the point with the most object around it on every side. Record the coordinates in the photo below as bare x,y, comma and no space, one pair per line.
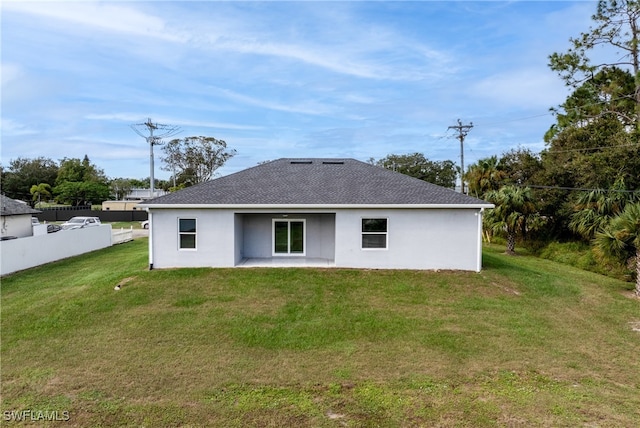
302,239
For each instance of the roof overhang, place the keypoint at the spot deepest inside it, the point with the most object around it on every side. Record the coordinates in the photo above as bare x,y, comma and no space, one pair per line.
315,206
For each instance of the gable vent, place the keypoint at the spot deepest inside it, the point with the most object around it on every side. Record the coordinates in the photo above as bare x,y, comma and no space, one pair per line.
301,162
333,162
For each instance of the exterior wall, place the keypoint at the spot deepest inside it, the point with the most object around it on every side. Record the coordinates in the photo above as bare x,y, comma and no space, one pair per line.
17,225
239,237
257,234
19,254
214,237
120,205
417,239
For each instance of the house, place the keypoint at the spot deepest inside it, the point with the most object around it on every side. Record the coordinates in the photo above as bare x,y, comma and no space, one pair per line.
15,218
316,212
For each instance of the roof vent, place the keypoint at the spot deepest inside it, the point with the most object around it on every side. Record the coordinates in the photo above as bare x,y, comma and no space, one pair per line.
304,162
333,162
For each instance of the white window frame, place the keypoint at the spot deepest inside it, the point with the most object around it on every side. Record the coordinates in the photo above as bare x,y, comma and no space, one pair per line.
195,234
273,237
362,233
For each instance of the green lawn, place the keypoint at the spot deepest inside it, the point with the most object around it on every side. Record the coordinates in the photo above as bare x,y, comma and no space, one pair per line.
526,342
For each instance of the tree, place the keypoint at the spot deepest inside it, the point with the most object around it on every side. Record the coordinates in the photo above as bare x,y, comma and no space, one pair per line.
22,173
593,144
616,27
120,187
620,240
81,192
74,169
80,182
514,213
521,167
40,190
595,140
195,159
595,209
441,173
484,176
608,93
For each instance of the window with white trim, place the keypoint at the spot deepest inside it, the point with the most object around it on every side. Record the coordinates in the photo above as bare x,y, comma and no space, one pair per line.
374,233
187,233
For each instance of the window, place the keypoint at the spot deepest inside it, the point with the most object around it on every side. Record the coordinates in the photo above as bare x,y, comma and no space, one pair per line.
288,237
187,233
374,233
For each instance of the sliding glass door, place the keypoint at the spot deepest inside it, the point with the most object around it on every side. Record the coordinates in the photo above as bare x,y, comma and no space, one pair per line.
288,237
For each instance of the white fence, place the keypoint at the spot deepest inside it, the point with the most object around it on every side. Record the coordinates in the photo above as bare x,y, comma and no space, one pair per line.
122,235
24,253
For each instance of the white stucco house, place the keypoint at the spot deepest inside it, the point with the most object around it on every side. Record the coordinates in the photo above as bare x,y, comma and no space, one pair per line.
15,218
316,212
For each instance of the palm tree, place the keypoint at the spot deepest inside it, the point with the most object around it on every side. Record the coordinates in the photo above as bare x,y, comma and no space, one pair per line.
514,213
621,239
484,176
595,209
40,190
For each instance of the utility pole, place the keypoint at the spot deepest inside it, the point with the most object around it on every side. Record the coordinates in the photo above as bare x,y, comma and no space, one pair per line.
165,131
463,130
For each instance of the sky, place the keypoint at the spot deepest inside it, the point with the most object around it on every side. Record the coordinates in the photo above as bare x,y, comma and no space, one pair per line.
352,79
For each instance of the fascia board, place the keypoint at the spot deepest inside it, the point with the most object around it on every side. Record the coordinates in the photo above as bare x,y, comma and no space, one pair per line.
315,206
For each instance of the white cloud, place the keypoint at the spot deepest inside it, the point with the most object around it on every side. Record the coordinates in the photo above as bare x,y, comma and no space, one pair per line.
9,73
523,89
132,118
122,117
111,17
215,125
11,128
309,107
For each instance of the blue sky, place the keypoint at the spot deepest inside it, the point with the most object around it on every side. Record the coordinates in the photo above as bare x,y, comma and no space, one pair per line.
280,79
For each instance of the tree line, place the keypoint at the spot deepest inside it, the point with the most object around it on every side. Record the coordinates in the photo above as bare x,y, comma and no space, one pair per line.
586,183
74,181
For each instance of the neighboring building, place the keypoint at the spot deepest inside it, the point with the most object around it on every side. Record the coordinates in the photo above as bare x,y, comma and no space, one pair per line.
131,200
15,218
316,212
144,194
120,205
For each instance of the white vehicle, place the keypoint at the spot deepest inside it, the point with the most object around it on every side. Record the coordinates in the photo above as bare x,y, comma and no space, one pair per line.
80,222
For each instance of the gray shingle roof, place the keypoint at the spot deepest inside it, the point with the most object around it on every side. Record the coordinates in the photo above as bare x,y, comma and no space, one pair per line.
315,182
10,206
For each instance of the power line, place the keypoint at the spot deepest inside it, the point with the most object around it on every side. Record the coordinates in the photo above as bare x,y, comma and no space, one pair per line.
579,189
552,113
592,148
516,120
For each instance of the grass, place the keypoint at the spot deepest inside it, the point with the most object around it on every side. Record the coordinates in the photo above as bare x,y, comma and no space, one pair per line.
582,256
124,224
526,342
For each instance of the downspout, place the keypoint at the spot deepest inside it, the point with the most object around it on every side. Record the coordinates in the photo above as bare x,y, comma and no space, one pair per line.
150,217
479,249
